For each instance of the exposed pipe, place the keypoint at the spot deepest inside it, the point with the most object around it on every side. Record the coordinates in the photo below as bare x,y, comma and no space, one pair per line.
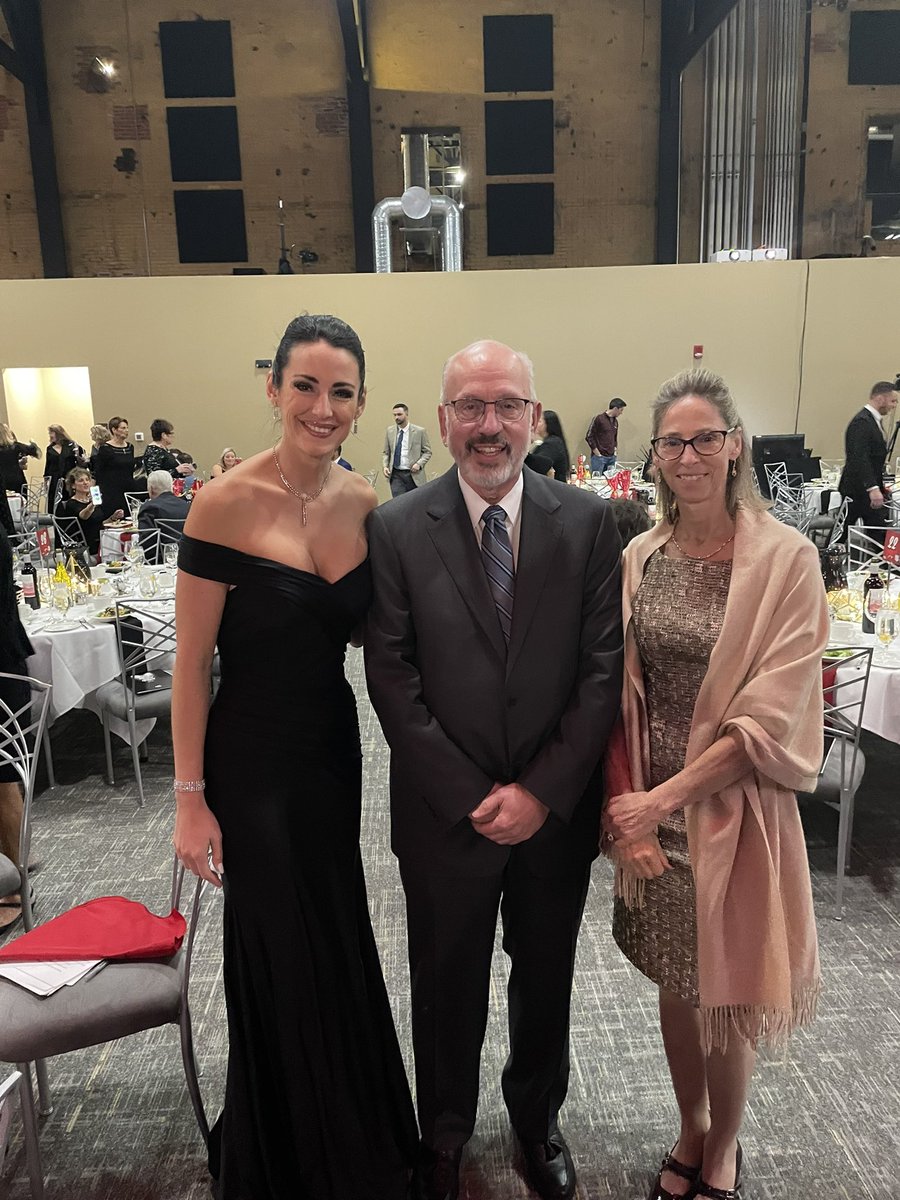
449,231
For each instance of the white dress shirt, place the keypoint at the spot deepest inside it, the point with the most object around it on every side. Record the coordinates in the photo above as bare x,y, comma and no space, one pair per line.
511,505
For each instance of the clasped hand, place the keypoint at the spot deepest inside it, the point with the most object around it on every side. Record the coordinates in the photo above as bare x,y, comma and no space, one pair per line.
509,814
632,816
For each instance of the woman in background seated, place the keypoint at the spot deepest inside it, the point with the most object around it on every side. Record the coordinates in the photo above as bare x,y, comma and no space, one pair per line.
228,460
552,445
631,518
81,507
725,624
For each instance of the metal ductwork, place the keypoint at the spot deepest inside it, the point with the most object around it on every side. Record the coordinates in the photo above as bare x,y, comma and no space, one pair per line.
440,214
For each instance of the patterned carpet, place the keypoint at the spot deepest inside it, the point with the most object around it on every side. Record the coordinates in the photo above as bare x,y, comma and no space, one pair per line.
822,1120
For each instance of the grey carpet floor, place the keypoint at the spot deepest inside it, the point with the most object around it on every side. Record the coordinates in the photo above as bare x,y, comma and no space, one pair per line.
822,1120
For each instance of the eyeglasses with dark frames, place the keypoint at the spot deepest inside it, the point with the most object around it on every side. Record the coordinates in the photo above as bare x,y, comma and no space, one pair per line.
670,447
470,409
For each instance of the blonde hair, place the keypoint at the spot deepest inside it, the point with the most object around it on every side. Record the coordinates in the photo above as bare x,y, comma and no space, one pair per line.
99,434
740,490
227,450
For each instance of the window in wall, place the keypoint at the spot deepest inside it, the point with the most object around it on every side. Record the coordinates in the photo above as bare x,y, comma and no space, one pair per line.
196,58
211,226
518,53
883,179
520,218
203,143
518,137
874,48
445,169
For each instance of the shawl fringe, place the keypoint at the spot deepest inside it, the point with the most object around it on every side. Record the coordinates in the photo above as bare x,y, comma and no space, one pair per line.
757,1024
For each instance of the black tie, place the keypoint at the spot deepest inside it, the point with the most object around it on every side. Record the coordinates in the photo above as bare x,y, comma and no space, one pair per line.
496,553
397,449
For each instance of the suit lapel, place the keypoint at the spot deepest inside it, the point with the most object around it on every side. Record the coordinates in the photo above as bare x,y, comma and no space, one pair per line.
539,531
450,530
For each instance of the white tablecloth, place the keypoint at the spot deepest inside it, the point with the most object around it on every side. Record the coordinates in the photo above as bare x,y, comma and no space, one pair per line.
882,712
15,503
812,498
77,662
114,543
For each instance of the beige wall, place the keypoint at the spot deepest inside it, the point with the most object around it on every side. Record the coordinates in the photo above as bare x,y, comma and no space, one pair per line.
40,396
184,349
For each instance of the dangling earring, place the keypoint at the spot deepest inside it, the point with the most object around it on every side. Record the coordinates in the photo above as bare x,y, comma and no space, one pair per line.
734,468
355,426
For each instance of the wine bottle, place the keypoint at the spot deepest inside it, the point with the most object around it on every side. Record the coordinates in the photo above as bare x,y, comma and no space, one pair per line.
30,592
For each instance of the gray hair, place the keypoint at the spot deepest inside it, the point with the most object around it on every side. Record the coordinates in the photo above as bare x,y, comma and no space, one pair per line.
740,488
159,481
520,355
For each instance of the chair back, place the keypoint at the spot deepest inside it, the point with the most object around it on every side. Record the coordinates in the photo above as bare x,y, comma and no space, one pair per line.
145,638
865,549
844,702
150,541
69,535
35,503
788,501
7,1088
21,738
134,501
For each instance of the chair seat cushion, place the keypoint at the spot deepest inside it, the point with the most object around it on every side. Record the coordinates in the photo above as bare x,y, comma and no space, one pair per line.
9,876
111,696
828,789
122,998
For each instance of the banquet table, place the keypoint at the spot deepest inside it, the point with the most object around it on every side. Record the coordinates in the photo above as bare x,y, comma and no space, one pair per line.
114,542
881,714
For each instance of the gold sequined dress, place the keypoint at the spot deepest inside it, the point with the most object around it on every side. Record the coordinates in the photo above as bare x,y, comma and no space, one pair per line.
677,613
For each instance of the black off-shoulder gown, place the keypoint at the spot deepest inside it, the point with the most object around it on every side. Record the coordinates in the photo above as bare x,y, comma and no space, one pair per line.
317,1104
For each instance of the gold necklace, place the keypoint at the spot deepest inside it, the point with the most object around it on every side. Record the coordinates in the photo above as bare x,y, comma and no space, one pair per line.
699,557
303,497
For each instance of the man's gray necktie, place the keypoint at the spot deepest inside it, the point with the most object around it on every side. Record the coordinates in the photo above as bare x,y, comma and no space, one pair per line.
496,553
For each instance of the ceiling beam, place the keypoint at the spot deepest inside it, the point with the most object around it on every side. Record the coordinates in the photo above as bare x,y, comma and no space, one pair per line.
352,17
9,60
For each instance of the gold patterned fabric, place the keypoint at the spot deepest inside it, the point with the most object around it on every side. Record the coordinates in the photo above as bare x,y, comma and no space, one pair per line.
677,612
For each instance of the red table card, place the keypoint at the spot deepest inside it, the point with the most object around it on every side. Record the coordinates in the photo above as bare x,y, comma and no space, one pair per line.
892,545
43,541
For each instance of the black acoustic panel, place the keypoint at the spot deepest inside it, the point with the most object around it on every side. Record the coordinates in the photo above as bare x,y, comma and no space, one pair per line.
196,58
518,137
520,218
518,53
874,47
203,143
211,226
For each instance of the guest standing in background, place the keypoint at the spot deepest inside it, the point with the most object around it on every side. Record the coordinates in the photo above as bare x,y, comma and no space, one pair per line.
866,450
114,467
99,435
274,573
338,458
552,445
722,717
159,455
12,451
227,460
16,693
63,455
602,436
406,451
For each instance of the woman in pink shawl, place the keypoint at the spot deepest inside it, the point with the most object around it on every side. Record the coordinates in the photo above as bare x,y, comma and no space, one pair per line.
726,621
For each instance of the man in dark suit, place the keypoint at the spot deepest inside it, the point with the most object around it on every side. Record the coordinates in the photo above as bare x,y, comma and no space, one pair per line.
865,447
494,658
162,506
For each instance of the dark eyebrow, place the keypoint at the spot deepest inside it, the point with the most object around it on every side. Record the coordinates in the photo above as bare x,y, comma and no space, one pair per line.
312,379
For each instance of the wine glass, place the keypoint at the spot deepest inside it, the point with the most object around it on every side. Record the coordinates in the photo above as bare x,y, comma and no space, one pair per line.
170,554
60,603
45,586
887,626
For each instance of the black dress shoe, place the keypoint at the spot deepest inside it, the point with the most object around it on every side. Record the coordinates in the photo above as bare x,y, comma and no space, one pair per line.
549,1169
437,1174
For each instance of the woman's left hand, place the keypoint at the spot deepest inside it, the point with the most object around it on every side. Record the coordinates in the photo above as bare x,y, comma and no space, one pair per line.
632,815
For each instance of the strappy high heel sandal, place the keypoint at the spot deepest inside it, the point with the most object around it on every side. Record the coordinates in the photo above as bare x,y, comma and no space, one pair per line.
705,1189
669,1163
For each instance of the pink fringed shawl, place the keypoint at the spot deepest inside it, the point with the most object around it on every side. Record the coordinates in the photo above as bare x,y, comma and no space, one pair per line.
756,935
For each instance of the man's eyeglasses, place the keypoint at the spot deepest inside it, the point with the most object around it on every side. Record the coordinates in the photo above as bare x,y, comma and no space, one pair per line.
470,409
670,447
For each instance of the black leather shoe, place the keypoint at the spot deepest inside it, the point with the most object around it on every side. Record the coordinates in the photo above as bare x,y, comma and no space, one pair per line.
437,1174
549,1169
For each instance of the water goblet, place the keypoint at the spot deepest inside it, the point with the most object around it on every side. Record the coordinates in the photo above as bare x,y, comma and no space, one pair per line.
887,626
170,554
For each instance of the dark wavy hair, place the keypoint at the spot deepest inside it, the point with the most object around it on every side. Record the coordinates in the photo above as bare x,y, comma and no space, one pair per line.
159,427
319,328
555,429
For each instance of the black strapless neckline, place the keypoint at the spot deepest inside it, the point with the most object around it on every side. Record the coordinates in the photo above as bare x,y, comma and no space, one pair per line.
276,562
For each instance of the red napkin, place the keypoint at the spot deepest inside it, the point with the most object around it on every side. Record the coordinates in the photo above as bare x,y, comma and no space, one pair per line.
829,678
108,927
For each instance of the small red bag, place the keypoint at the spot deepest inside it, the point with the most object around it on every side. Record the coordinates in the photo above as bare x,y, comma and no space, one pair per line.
111,927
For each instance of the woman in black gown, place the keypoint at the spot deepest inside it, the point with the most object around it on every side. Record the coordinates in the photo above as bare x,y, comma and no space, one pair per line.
114,468
63,455
273,570
552,446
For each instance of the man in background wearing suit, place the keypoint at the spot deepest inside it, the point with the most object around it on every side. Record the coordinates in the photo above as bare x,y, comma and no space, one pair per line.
864,441
406,451
494,660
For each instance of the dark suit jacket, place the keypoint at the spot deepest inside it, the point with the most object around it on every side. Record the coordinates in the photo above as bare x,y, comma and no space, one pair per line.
865,455
460,712
167,506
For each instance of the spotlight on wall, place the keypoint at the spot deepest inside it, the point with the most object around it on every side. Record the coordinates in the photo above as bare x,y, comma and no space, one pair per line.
105,68
732,255
769,253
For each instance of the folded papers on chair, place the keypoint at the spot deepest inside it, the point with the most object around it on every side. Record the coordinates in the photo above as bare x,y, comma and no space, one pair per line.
46,978
110,927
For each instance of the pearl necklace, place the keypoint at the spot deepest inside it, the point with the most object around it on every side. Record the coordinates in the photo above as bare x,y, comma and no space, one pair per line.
699,557
303,497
